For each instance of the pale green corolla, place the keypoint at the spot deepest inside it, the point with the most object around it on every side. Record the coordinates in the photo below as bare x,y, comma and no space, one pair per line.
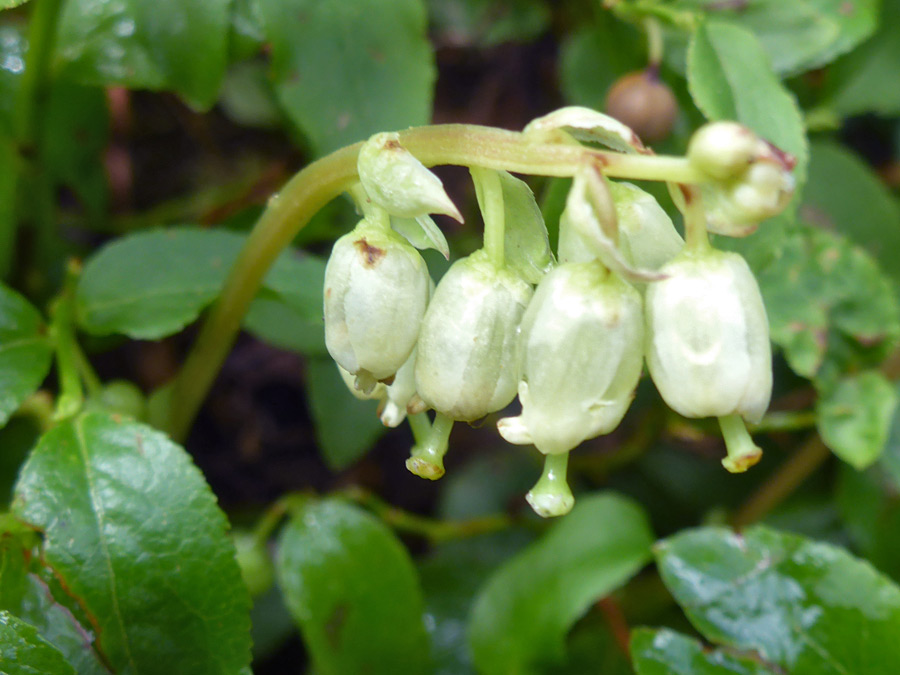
708,348
376,292
465,364
580,354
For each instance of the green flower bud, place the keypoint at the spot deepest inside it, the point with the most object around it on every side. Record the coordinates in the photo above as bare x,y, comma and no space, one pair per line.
398,182
466,350
708,345
580,357
400,394
376,291
647,236
723,150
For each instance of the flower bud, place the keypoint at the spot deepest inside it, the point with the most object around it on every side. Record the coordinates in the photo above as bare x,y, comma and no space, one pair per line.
399,394
647,236
708,348
400,183
580,355
723,150
376,291
466,349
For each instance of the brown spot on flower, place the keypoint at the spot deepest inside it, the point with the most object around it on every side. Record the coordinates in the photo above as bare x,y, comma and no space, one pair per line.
371,255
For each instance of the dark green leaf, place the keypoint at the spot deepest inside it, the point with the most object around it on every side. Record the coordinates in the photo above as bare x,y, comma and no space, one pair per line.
844,194
860,82
808,607
855,417
830,308
353,591
485,23
891,457
177,45
12,53
24,652
345,70
522,615
132,528
798,35
451,576
665,652
730,78
75,136
25,351
9,4
346,428
274,321
247,34
152,284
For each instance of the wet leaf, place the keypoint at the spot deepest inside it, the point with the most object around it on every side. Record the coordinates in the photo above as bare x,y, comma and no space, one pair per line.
805,606
843,194
24,652
830,308
798,36
524,611
344,71
665,652
855,417
353,591
174,45
117,502
152,284
25,351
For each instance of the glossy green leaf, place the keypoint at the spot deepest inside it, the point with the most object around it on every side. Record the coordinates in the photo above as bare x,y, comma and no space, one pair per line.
485,23
247,34
9,4
152,284
845,195
175,45
523,613
25,351
352,589
808,607
799,35
345,70
278,323
346,428
54,622
891,457
134,532
830,308
854,418
24,652
860,81
451,576
665,652
729,77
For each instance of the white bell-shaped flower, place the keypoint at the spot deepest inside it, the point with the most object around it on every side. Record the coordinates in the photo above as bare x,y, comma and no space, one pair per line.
647,236
376,292
580,355
708,348
465,365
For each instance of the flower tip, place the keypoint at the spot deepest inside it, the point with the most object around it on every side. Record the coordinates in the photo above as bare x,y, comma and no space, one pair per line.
550,504
424,468
740,463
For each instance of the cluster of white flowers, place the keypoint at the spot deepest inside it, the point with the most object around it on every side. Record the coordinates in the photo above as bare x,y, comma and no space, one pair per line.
625,291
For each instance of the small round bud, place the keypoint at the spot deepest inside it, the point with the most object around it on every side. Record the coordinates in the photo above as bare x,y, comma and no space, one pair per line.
644,103
708,348
256,567
398,182
122,397
580,356
376,291
466,349
723,150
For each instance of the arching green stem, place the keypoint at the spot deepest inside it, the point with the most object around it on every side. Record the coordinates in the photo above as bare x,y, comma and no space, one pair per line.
317,184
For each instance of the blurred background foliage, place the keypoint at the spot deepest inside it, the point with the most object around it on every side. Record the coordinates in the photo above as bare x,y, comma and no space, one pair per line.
119,118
